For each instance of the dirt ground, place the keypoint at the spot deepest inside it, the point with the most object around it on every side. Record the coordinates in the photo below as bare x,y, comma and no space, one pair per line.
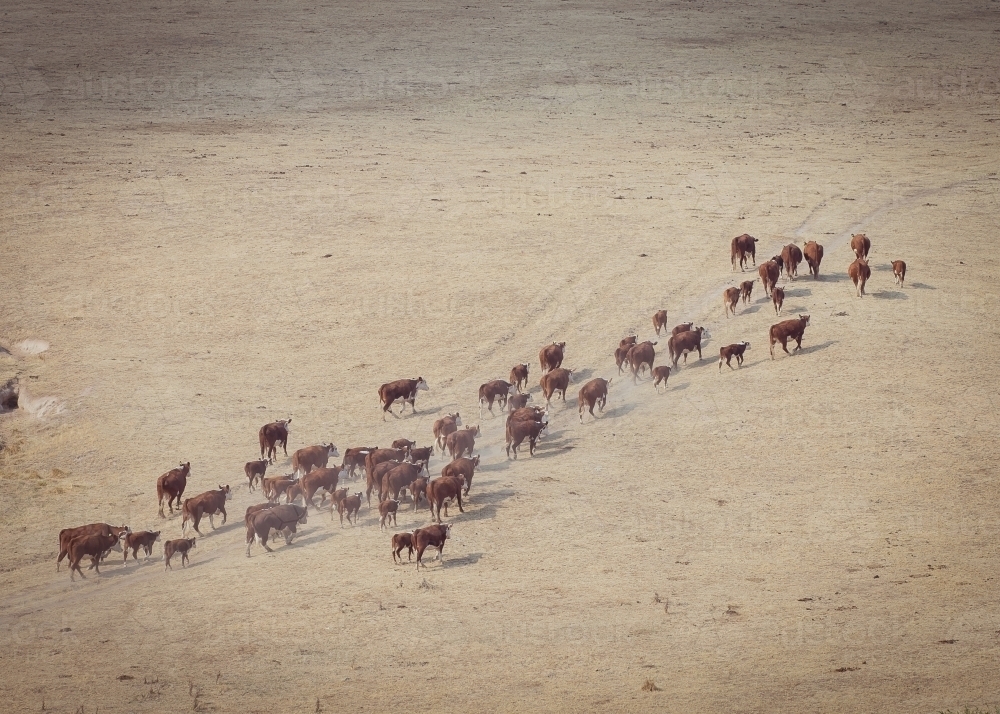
218,215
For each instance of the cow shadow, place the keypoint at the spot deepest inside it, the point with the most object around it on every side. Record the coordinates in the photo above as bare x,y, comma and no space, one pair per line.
809,349
468,559
890,295
313,537
797,292
614,412
922,286
833,277
581,374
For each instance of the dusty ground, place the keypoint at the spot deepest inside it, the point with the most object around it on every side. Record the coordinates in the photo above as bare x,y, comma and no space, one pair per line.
223,214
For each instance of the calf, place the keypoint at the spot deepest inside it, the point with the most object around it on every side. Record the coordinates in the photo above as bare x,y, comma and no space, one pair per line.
621,356
348,506
596,392
312,457
387,511
551,357
255,471
813,253
444,426
642,355
274,486
518,376
729,351
519,430
462,468
746,289
67,535
142,539
281,519
517,401
400,541
417,489
335,498
554,381
660,374
92,546
778,298
497,390
859,272
355,459
402,389
791,256
683,327
899,271
182,546
171,485
205,504
431,537
441,491
769,273
462,442
789,329
684,342
660,321
317,479
270,435
860,245
730,299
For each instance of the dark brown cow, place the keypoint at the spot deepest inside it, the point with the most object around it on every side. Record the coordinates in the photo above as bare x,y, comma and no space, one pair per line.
554,381
349,505
270,435
421,456
141,539
730,299
518,376
66,536
280,519
417,489
462,468
355,459
859,273
780,263
791,256
899,271
519,430
257,508
205,504
400,541
378,472
789,329
404,444
778,298
518,401
182,546
660,374
317,479
746,290
255,471
596,392
813,253
92,546
621,357
683,327
741,247
444,426
551,357
640,356
387,511
769,273
684,342
312,457
402,389
398,478
497,390
274,486
172,485
462,442
441,491
431,537
860,245
660,321
729,351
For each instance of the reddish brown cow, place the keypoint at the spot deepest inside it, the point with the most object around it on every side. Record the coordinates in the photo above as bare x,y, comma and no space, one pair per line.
551,357
899,272
518,401
92,546
859,273
417,489
398,478
860,245
142,539
627,341
431,537
255,471
789,329
402,389
556,381
729,351
640,356
294,492
387,511
335,498
351,504
404,444
621,357
497,390
518,430
596,392
791,256
257,508
741,247
317,479
172,485
660,374
312,457
270,435
378,456
421,456
354,459
769,273
660,321
182,546
205,504
730,299
444,426
280,519
66,536
274,486
443,490
746,289
529,414
462,442
813,253
684,342
778,298
377,476
462,468
400,541
518,376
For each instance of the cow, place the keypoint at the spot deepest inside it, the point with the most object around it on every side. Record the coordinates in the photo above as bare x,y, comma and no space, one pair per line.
746,290
554,381
257,508
335,498
684,342
93,546
417,489
860,245
791,256
205,504
859,272
142,539
519,430
441,491
777,260
378,472
270,435
397,478
899,272
740,247
660,321
317,479
462,442
551,357
621,356
281,519
255,471
402,389
66,536
813,253
778,298
729,351
294,493
347,506
462,468
404,444
627,341
730,299
182,546
596,392
444,426
642,355
517,401
274,486
769,273
310,457
354,459
421,456
172,485
660,374
496,389
387,511
789,329
518,376
432,536
529,414
400,541
683,327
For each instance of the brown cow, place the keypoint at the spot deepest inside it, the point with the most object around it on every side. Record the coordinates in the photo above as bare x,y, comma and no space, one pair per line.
441,491
311,457
205,504
66,536
400,541
142,539
859,272
899,271
791,256
746,289
529,414
444,426
621,356
660,321
769,273
684,342
551,357
255,471
519,430
518,401
257,508
274,486
642,355
660,374
860,245
431,537
398,478
730,299
92,546
596,392
683,327
813,253
462,442
404,444
628,341
793,329
378,456
740,247
496,389
281,519
294,492
317,479
378,473
270,435
729,351
335,498
518,376
402,389
387,511
462,468
778,298
172,485
182,546
417,489
556,381
349,505
421,456
354,459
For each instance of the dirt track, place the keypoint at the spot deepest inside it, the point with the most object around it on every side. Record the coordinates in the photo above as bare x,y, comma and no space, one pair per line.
222,215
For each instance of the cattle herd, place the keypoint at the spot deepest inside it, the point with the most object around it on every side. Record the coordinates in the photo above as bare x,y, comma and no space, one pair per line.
403,468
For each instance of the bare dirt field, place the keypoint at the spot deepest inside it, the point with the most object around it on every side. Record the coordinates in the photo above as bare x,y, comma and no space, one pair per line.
221,214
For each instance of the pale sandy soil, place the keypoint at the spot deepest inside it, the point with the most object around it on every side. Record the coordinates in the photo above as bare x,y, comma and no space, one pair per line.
812,534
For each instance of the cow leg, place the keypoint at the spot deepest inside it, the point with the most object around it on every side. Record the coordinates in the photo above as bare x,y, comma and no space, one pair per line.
784,346
211,521
75,566
95,563
224,516
420,555
440,555
184,559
